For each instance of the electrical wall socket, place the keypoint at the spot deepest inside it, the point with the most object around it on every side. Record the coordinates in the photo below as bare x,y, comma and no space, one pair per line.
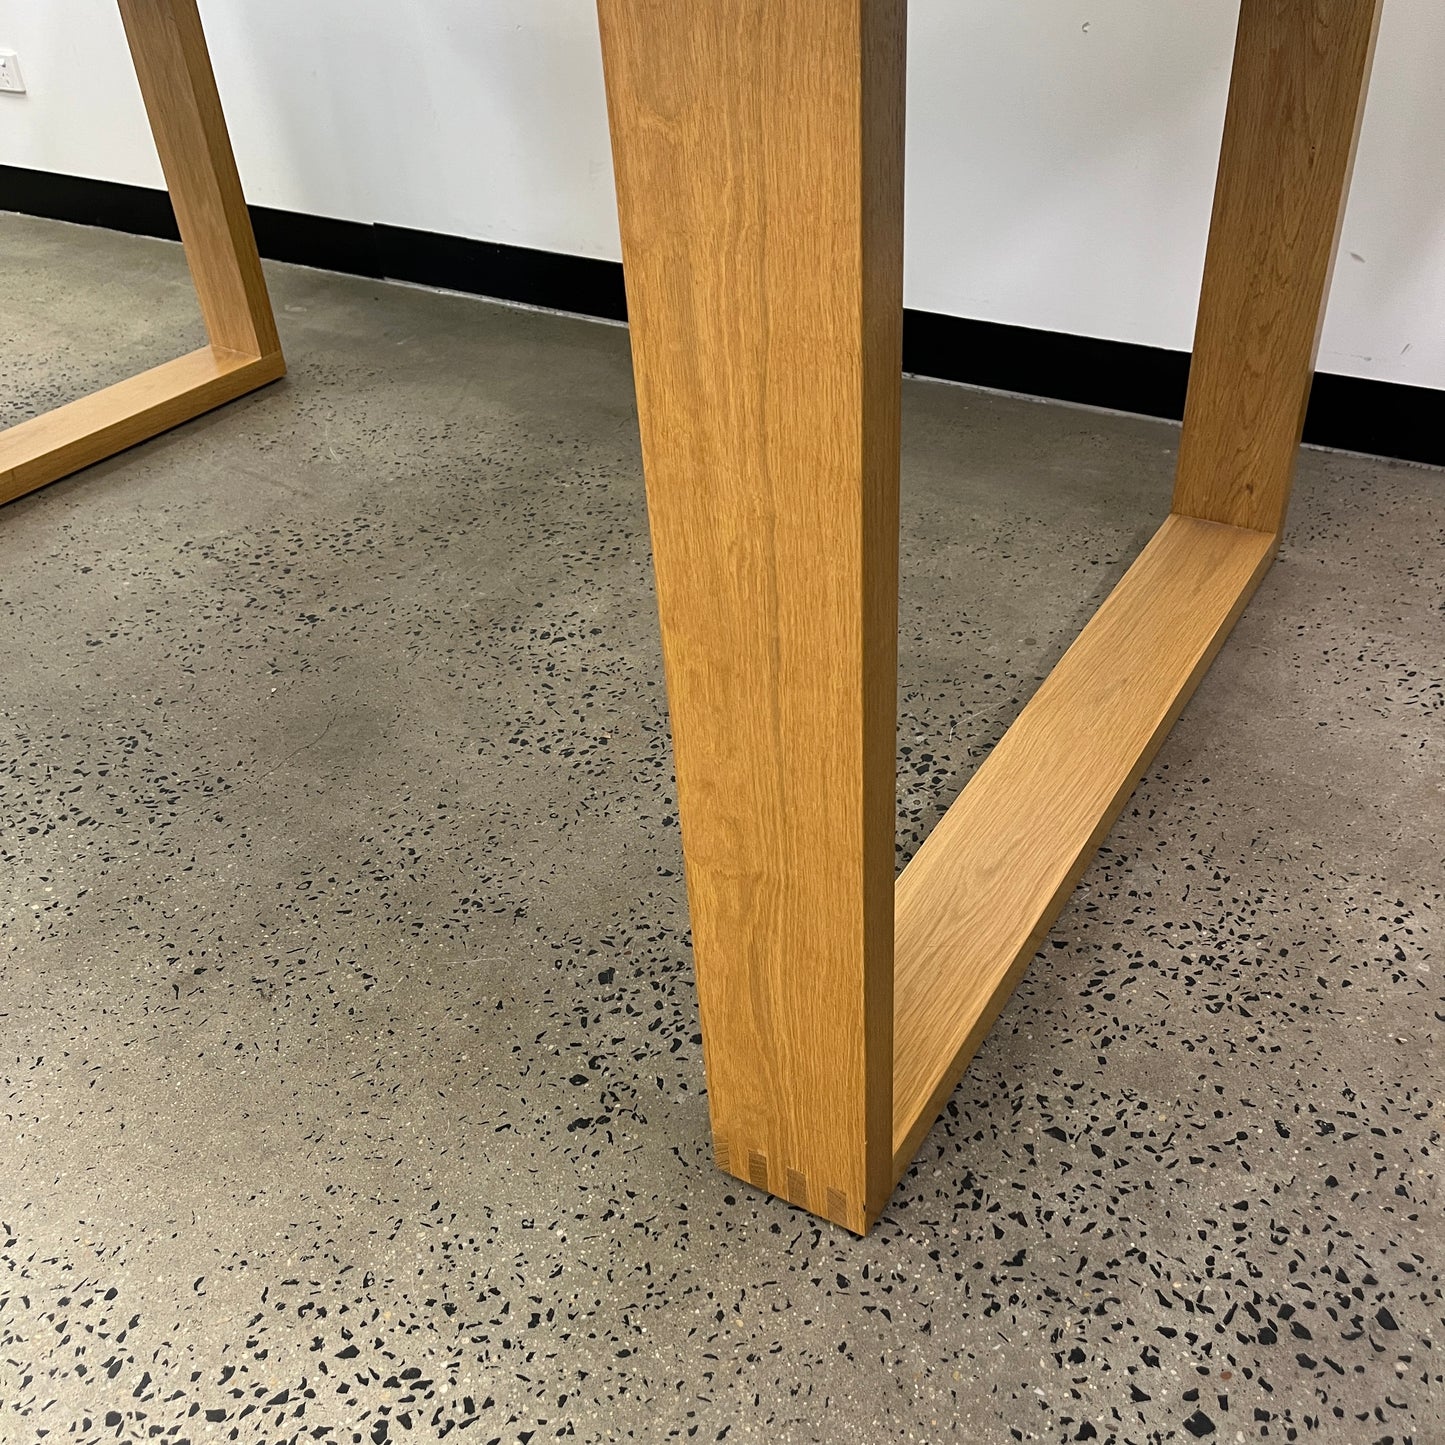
10,78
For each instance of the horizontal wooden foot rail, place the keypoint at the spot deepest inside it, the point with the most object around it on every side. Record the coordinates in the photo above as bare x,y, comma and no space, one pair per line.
61,441
976,901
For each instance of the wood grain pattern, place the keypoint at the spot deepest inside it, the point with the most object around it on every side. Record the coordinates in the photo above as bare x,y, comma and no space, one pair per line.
173,67
174,71
989,881
62,441
758,152
1296,97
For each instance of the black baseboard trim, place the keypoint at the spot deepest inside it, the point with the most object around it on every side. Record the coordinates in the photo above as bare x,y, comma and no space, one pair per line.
1383,418
1116,374
510,273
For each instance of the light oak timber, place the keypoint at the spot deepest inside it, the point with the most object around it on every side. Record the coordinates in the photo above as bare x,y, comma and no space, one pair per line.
1296,98
979,896
69,437
986,886
168,49
759,161
757,152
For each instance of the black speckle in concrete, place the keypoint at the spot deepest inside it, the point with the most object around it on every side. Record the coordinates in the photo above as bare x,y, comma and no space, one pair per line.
350,1082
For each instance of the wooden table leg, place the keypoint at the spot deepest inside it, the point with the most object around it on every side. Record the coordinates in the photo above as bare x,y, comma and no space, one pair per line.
169,51
988,883
759,158
173,67
1296,98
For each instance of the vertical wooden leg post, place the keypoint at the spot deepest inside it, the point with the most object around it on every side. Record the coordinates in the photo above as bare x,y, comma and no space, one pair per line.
1296,99
168,48
759,157
758,152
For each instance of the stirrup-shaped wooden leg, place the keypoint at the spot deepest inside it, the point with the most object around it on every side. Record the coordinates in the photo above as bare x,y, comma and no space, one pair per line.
174,70
759,156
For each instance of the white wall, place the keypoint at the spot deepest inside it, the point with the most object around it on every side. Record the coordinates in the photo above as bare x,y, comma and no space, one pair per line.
1060,152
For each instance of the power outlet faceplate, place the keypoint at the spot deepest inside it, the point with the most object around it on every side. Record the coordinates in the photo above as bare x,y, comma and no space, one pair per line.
10,78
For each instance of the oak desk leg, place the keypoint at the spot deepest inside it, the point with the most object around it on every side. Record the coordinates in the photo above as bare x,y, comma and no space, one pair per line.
759,158
988,883
758,153
242,350
173,67
1296,97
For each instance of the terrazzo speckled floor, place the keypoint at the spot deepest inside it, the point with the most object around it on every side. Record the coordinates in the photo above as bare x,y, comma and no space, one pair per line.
350,1083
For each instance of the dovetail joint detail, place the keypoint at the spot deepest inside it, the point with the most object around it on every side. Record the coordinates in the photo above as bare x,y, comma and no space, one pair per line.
797,1192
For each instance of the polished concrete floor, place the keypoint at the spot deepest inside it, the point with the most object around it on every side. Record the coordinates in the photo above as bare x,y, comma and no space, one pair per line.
350,1081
